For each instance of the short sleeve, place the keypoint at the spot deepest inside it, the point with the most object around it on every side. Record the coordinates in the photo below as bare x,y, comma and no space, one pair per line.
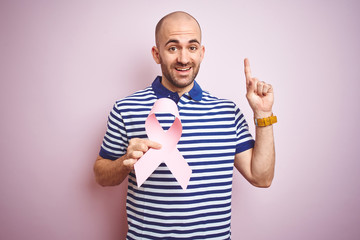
244,139
115,141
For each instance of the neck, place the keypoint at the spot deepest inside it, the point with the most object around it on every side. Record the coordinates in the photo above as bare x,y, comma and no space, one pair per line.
173,88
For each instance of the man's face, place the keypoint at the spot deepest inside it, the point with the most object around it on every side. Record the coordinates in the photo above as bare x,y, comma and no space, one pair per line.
179,52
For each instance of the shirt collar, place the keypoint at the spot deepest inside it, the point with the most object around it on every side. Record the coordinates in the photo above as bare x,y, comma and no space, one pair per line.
162,92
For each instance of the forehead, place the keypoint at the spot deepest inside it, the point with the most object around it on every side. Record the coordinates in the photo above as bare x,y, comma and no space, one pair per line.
179,28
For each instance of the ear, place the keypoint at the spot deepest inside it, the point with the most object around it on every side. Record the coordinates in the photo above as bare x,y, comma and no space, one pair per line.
202,52
156,55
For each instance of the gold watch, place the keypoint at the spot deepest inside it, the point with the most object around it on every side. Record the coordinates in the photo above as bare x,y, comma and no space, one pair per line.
263,122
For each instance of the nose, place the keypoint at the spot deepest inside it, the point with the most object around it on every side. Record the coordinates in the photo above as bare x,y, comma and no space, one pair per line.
183,57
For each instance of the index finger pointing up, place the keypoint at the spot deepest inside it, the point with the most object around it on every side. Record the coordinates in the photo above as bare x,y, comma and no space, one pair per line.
247,70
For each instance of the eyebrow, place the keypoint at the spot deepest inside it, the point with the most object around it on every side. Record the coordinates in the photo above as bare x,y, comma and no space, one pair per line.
177,41
194,41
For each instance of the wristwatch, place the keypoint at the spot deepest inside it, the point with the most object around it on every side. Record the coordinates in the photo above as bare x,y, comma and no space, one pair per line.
263,122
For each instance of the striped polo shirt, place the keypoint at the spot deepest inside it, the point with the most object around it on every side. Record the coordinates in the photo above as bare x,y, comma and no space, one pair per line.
214,130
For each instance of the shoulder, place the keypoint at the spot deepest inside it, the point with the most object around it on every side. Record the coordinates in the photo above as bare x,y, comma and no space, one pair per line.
209,99
144,97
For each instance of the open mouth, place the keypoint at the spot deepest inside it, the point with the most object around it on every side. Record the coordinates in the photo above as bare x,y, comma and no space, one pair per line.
183,69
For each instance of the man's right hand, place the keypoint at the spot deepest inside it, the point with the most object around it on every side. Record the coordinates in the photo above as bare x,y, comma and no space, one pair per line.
111,173
136,149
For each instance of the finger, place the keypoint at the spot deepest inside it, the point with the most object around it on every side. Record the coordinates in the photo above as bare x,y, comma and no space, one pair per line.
129,163
137,145
247,70
263,88
256,84
152,144
266,89
135,154
250,84
260,88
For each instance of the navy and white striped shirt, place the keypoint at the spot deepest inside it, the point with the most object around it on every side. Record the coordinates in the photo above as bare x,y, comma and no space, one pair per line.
214,130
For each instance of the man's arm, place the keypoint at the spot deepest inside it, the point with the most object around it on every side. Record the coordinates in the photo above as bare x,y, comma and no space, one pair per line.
257,165
113,172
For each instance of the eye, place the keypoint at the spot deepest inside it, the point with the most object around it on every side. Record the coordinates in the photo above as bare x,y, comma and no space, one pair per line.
172,49
193,48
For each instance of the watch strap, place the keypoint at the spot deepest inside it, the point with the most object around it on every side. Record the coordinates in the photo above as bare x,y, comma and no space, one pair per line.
263,122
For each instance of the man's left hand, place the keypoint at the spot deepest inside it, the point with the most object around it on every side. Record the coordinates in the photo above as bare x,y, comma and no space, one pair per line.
260,95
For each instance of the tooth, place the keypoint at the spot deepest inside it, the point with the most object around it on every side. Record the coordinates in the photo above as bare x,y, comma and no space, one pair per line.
183,69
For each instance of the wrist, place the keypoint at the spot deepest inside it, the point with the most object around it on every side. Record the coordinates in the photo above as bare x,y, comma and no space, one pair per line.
261,114
265,121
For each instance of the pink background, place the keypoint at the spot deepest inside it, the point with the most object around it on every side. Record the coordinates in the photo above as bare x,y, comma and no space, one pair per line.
64,63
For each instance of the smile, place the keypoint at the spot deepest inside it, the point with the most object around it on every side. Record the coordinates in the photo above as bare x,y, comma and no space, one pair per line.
183,69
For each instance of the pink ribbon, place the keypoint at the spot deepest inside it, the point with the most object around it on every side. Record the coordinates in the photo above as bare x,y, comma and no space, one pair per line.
168,153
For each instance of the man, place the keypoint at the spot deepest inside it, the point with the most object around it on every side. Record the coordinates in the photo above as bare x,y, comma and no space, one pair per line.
215,138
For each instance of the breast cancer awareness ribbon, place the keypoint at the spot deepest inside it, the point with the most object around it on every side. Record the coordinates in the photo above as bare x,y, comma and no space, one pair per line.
169,154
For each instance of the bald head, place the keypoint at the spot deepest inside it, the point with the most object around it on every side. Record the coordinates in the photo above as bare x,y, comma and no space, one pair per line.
174,17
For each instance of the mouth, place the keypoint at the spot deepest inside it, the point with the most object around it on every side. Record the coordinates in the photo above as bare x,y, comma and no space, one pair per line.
183,69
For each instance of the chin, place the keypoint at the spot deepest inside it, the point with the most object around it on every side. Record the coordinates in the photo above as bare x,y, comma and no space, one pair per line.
182,83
